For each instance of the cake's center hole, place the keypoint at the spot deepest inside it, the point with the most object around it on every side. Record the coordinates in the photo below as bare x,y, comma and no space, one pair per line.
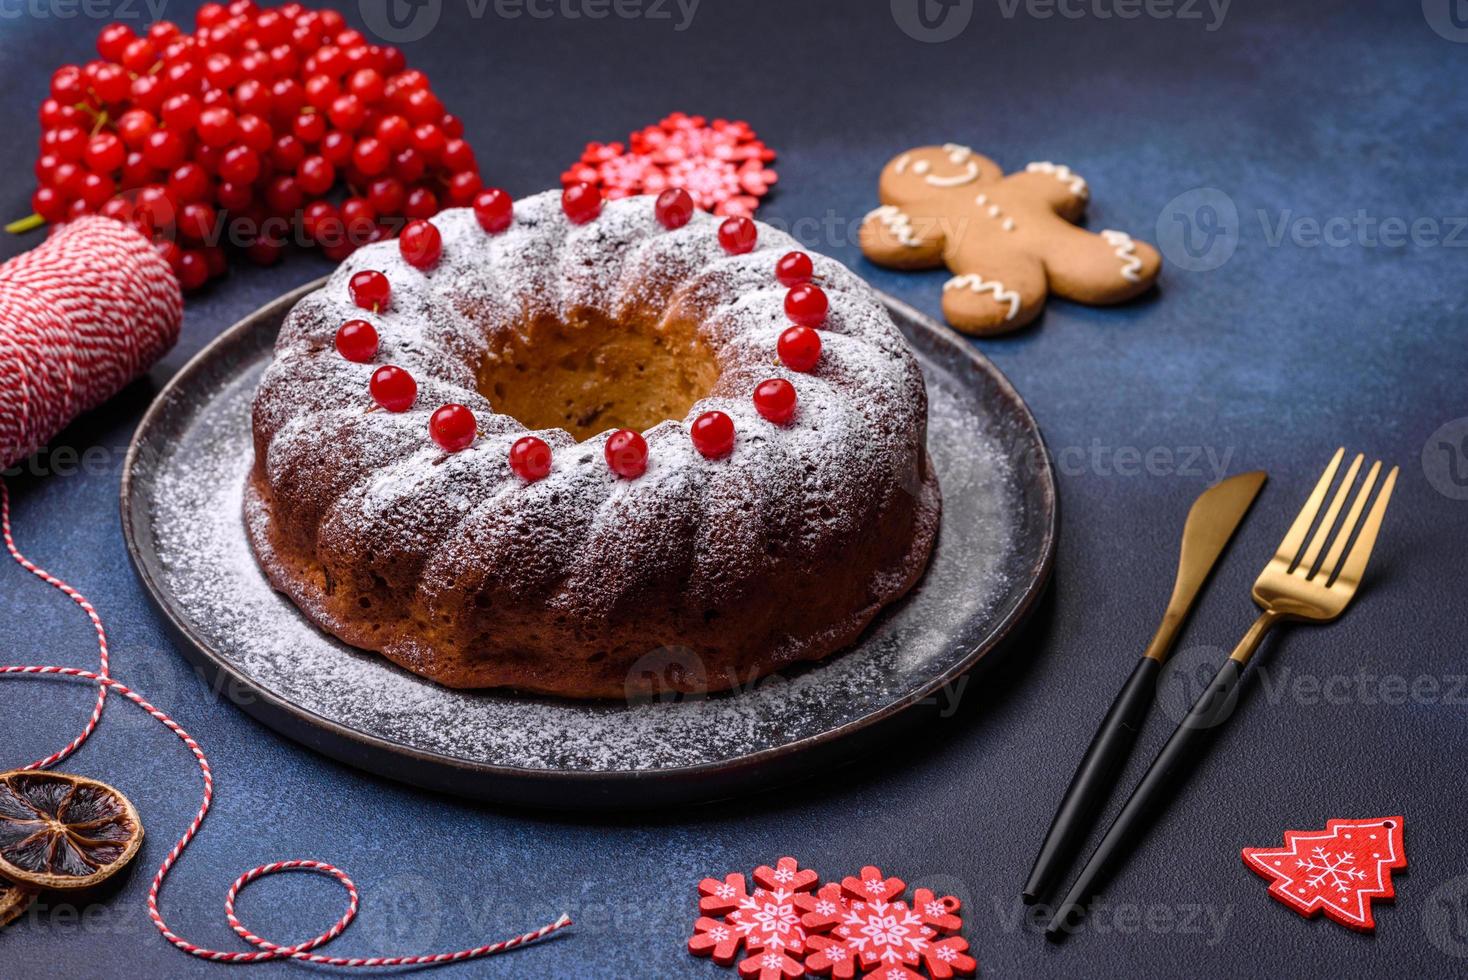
594,374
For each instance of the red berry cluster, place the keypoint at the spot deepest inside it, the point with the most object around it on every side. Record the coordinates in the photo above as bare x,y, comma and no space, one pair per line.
235,133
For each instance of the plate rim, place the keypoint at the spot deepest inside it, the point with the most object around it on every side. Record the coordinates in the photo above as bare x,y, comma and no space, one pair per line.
355,747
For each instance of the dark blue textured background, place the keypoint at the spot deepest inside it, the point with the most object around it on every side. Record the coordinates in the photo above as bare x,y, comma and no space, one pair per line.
1291,112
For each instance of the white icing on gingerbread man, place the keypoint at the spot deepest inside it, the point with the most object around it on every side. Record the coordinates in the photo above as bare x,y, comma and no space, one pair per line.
1009,241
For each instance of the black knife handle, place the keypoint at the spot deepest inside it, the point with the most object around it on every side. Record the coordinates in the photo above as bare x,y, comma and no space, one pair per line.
1094,777
1166,773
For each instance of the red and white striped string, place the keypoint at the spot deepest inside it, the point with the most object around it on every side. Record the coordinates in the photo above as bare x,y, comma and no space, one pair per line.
81,315
266,950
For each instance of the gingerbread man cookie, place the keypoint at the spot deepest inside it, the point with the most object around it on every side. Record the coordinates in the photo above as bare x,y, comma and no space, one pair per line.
1008,240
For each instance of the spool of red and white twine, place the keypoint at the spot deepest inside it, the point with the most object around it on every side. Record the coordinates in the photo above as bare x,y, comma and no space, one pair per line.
80,316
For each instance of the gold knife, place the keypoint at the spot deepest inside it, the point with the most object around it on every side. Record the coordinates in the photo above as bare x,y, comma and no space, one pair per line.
1212,521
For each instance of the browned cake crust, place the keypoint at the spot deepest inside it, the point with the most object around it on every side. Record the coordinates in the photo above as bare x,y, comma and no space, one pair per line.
700,574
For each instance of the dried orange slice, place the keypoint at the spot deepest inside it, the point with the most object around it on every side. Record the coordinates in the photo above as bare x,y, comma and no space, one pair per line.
64,832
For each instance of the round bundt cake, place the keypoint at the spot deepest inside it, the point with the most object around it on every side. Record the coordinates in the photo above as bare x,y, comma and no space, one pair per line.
582,450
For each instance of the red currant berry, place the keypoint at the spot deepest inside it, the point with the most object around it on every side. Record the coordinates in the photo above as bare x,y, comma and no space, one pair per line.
453,427
180,112
371,157
68,86
775,400
113,41
255,132
70,143
189,183
422,106
316,216
462,188
148,93
799,348
321,91
49,203
393,388
713,434
367,85
112,84
370,289
309,127
315,175
233,197
134,126
196,222
738,235
530,458
674,208
216,126
67,178
240,165
581,202
626,453
494,210
356,340
193,269
252,97
386,196
794,269
337,147
394,132
283,195
164,149
135,172
421,244
807,305
429,141
409,166
139,56
421,203
347,113
105,153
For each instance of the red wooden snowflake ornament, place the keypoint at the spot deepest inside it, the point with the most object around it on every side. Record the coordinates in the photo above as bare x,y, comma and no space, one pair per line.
1339,870
722,164
765,921
863,923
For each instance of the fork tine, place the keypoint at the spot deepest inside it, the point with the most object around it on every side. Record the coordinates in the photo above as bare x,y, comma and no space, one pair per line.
1295,536
1328,521
1360,554
1328,567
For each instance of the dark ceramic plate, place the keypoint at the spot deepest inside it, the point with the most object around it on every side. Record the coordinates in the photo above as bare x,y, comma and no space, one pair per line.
181,513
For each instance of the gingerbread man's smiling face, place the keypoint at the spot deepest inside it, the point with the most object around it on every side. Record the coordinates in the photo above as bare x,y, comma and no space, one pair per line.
926,172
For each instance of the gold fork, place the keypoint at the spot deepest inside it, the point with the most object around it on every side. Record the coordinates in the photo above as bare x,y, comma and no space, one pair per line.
1293,586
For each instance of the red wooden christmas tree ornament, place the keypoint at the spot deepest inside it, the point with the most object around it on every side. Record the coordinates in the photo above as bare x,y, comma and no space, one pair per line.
1338,870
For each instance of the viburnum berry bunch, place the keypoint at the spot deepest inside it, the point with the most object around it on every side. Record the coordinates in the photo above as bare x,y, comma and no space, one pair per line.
722,164
236,135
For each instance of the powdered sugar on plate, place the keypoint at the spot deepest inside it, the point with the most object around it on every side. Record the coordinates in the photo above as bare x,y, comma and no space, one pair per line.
207,575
